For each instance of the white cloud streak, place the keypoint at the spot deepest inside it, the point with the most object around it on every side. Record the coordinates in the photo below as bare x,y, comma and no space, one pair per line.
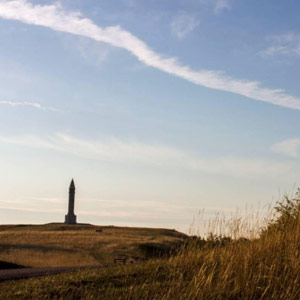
290,147
135,153
55,17
30,104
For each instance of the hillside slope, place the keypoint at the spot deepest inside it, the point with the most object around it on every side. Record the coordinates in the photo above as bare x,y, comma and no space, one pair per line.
83,244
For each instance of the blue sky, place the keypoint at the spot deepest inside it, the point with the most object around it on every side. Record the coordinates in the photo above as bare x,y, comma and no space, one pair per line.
158,109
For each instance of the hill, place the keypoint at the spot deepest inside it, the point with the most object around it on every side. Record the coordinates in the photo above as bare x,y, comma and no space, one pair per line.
57,244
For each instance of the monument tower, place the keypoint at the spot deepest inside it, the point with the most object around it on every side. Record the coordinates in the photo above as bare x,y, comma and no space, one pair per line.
70,217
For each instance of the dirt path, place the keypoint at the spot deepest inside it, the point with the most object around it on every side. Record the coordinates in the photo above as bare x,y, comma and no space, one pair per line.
12,274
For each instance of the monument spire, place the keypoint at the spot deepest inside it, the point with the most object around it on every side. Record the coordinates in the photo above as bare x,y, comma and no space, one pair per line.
70,217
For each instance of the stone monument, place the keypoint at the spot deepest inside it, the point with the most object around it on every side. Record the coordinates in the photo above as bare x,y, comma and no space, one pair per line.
70,217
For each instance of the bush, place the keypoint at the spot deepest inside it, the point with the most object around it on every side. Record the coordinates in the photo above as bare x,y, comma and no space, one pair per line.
287,215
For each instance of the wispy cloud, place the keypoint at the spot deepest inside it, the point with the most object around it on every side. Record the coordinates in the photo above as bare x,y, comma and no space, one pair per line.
30,104
90,50
218,6
111,207
284,44
34,210
221,5
130,3
183,24
55,17
106,213
136,153
159,206
290,147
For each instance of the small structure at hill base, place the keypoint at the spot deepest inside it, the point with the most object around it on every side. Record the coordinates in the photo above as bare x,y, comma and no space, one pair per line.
124,259
70,218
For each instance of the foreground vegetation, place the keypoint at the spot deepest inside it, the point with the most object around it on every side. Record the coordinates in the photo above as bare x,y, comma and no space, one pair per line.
267,267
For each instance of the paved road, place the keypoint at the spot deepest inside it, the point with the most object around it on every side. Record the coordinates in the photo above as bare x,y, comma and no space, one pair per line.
11,274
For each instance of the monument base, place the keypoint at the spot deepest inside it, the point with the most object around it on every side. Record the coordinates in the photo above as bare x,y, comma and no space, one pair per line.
70,219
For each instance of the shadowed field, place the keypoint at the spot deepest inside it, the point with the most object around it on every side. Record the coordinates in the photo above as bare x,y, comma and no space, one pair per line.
79,245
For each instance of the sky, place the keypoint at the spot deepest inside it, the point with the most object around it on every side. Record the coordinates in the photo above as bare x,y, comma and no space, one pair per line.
157,109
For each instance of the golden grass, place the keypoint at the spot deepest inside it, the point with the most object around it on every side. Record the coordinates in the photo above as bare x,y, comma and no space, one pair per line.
60,245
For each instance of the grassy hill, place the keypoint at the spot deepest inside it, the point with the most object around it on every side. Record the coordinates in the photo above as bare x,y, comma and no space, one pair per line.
83,244
264,268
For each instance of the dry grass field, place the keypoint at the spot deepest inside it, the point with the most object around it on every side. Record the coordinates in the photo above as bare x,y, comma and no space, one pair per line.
78,245
220,268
